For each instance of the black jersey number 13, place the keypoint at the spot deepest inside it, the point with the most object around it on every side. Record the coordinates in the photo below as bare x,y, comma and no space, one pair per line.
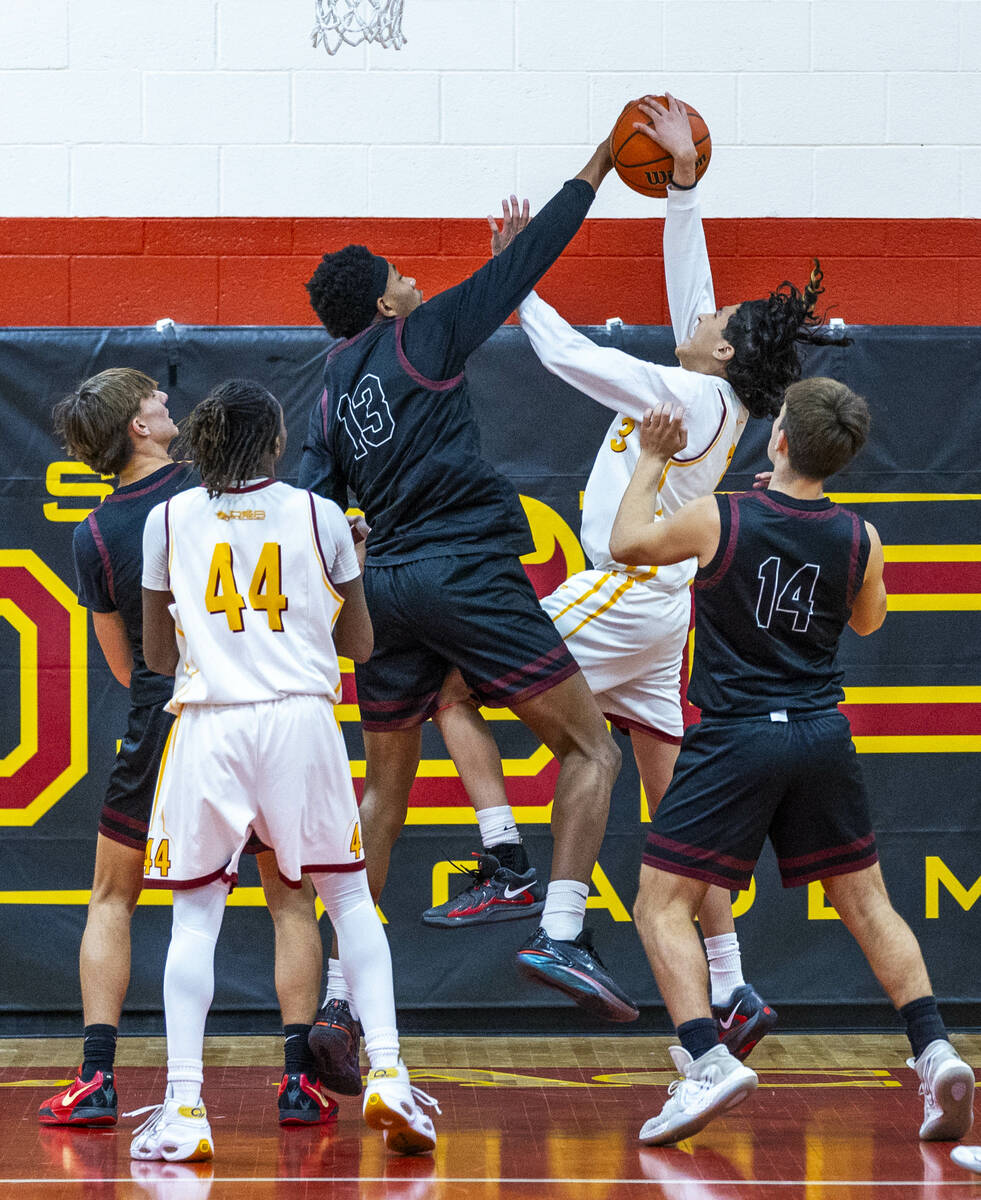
795,598
365,415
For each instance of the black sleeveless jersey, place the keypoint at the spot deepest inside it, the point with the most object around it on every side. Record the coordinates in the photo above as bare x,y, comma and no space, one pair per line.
771,605
108,551
394,424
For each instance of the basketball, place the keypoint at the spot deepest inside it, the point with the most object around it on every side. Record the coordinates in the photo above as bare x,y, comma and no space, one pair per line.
642,164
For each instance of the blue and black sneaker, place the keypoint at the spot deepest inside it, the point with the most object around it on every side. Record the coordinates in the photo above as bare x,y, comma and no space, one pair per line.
743,1020
575,968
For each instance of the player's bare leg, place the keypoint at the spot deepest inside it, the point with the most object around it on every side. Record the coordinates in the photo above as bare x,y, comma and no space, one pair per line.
560,953
712,1079
299,966
299,948
391,762
104,957
104,966
504,885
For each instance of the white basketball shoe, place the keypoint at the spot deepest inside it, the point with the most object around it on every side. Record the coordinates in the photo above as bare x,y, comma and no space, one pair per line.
947,1088
708,1086
391,1104
174,1132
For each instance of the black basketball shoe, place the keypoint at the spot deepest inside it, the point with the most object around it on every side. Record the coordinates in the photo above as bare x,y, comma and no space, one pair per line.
335,1043
743,1021
575,968
496,893
303,1101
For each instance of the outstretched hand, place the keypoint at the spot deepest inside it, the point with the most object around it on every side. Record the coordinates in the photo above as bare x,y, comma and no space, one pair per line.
662,432
513,222
669,127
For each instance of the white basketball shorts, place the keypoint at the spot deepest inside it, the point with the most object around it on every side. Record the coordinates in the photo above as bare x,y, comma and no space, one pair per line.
628,638
278,768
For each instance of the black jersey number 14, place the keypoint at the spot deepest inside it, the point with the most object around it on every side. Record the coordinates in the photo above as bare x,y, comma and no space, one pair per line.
795,598
365,415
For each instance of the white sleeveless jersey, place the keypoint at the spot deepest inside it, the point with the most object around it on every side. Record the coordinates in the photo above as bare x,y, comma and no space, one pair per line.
252,574
714,416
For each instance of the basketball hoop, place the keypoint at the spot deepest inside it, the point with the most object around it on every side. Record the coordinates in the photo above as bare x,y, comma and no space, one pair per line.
354,21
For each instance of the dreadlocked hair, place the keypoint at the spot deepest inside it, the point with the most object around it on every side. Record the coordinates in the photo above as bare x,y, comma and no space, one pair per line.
230,432
764,335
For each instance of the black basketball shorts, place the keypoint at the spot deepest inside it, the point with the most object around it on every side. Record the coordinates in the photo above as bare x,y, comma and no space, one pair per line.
475,612
738,781
125,815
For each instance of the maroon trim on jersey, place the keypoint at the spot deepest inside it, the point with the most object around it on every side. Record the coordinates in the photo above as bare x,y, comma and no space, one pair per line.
103,554
115,836
149,488
434,385
670,867
626,724
409,712
323,413
730,549
712,439
348,342
808,514
806,860
853,582
252,487
185,885
110,814
316,535
701,853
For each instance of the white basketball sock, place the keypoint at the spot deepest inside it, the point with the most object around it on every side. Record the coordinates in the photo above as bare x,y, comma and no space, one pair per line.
725,966
497,826
367,961
565,909
337,988
189,984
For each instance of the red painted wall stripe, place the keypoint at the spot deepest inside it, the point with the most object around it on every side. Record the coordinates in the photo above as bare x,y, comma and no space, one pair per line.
240,270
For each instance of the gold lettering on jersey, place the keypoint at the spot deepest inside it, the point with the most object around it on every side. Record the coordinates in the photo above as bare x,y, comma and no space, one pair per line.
242,514
618,444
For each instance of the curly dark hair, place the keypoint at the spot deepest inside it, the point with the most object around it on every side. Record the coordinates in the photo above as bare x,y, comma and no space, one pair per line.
764,335
230,432
341,291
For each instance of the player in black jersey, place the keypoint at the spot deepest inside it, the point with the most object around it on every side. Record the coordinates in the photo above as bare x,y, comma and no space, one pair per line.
118,423
781,573
443,579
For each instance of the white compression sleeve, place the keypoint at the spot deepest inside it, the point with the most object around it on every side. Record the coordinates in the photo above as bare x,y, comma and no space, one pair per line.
367,961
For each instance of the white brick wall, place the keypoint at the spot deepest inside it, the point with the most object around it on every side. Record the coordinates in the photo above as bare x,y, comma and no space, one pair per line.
212,107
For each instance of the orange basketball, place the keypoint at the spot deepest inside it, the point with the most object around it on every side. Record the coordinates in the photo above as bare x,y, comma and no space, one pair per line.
642,164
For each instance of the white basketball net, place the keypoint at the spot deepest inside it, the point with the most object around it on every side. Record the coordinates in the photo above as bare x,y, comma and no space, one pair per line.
354,21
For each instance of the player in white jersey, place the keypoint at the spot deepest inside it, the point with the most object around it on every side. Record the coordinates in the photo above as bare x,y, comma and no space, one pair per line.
251,588
627,626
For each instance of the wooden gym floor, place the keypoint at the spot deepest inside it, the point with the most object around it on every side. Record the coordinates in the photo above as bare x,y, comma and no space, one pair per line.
834,1117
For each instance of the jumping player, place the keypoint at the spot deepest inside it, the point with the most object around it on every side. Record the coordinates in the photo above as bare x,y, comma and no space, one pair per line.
627,626
443,579
257,582
780,574
118,423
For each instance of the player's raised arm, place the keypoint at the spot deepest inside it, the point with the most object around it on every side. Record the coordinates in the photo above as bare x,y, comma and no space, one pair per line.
869,609
637,538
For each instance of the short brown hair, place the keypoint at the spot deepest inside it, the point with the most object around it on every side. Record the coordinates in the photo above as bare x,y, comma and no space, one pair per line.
93,422
826,425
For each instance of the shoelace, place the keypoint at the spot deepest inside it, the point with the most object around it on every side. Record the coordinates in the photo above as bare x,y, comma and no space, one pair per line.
153,1109
684,1084
425,1099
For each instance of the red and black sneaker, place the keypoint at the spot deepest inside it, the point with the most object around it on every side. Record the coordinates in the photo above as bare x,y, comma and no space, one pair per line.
91,1103
495,893
303,1101
335,1043
743,1021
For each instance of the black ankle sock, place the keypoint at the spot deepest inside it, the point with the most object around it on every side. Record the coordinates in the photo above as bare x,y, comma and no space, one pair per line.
923,1023
298,1059
98,1049
698,1036
511,855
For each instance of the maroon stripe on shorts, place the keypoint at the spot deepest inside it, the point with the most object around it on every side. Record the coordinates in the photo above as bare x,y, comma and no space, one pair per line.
123,839
730,883
625,724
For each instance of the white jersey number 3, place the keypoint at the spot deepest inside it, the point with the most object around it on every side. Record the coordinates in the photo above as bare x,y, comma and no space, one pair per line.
795,598
365,415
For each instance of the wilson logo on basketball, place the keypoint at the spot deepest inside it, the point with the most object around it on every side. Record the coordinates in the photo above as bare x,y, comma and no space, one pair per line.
244,514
